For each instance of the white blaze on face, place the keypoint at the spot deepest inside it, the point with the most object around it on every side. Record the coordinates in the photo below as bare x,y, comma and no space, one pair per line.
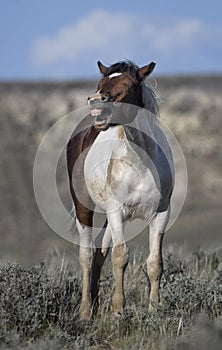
114,75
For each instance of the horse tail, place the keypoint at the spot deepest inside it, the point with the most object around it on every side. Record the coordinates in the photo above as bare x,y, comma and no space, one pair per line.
72,215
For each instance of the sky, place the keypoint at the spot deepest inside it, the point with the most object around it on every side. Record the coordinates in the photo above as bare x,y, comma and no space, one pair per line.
63,39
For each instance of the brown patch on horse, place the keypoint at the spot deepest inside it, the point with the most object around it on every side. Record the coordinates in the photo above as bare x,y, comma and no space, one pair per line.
118,88
116,85
79,145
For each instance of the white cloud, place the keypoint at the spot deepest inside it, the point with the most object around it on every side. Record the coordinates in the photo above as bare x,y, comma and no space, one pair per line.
112,36
98,31
177,35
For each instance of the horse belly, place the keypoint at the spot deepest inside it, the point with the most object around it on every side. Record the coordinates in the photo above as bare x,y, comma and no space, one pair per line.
143,198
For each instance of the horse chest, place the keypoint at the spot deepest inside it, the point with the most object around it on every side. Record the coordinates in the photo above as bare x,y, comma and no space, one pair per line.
132,185
118,179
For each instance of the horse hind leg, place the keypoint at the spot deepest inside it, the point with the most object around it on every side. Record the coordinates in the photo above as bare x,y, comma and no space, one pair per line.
91,262
102,244
155,268
154,261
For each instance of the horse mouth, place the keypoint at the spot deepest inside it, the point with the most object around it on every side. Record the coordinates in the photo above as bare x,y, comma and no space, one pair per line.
96,112
101,125
102,117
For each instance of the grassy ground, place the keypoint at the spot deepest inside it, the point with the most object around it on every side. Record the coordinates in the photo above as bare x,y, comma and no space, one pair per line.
39,307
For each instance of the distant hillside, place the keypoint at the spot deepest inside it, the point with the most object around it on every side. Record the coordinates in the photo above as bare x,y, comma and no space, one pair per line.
191,107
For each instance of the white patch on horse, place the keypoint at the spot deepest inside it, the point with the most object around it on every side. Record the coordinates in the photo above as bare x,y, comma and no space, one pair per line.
96,165
117,179
114,75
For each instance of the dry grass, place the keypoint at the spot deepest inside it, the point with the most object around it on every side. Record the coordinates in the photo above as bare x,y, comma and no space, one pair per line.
39,307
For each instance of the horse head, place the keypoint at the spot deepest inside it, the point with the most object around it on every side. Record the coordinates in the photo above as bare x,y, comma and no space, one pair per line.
119,87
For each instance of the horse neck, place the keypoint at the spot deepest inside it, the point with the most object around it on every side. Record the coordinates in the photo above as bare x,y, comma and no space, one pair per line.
146,122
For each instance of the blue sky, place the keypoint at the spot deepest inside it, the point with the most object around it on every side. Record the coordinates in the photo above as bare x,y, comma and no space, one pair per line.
63,39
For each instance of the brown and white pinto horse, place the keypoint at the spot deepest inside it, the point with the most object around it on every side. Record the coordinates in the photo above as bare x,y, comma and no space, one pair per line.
119,159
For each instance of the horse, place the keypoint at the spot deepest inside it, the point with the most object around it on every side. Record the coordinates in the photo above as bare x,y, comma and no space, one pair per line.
119,160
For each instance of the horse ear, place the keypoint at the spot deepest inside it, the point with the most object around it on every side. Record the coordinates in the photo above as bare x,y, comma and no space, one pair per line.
102,68
143,72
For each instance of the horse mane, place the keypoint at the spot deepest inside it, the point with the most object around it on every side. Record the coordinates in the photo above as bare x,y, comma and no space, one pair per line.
150,99
148,95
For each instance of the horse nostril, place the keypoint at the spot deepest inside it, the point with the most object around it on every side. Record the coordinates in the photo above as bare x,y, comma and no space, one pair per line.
104,98
90,101
95,100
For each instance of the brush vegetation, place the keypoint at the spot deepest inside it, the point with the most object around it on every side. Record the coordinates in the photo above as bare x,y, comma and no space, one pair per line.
39,307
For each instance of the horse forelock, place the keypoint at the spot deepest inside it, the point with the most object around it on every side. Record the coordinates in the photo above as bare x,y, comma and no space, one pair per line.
123,67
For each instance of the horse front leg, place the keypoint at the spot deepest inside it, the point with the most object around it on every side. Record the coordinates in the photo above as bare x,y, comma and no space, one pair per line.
120,260
155,262
85,259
